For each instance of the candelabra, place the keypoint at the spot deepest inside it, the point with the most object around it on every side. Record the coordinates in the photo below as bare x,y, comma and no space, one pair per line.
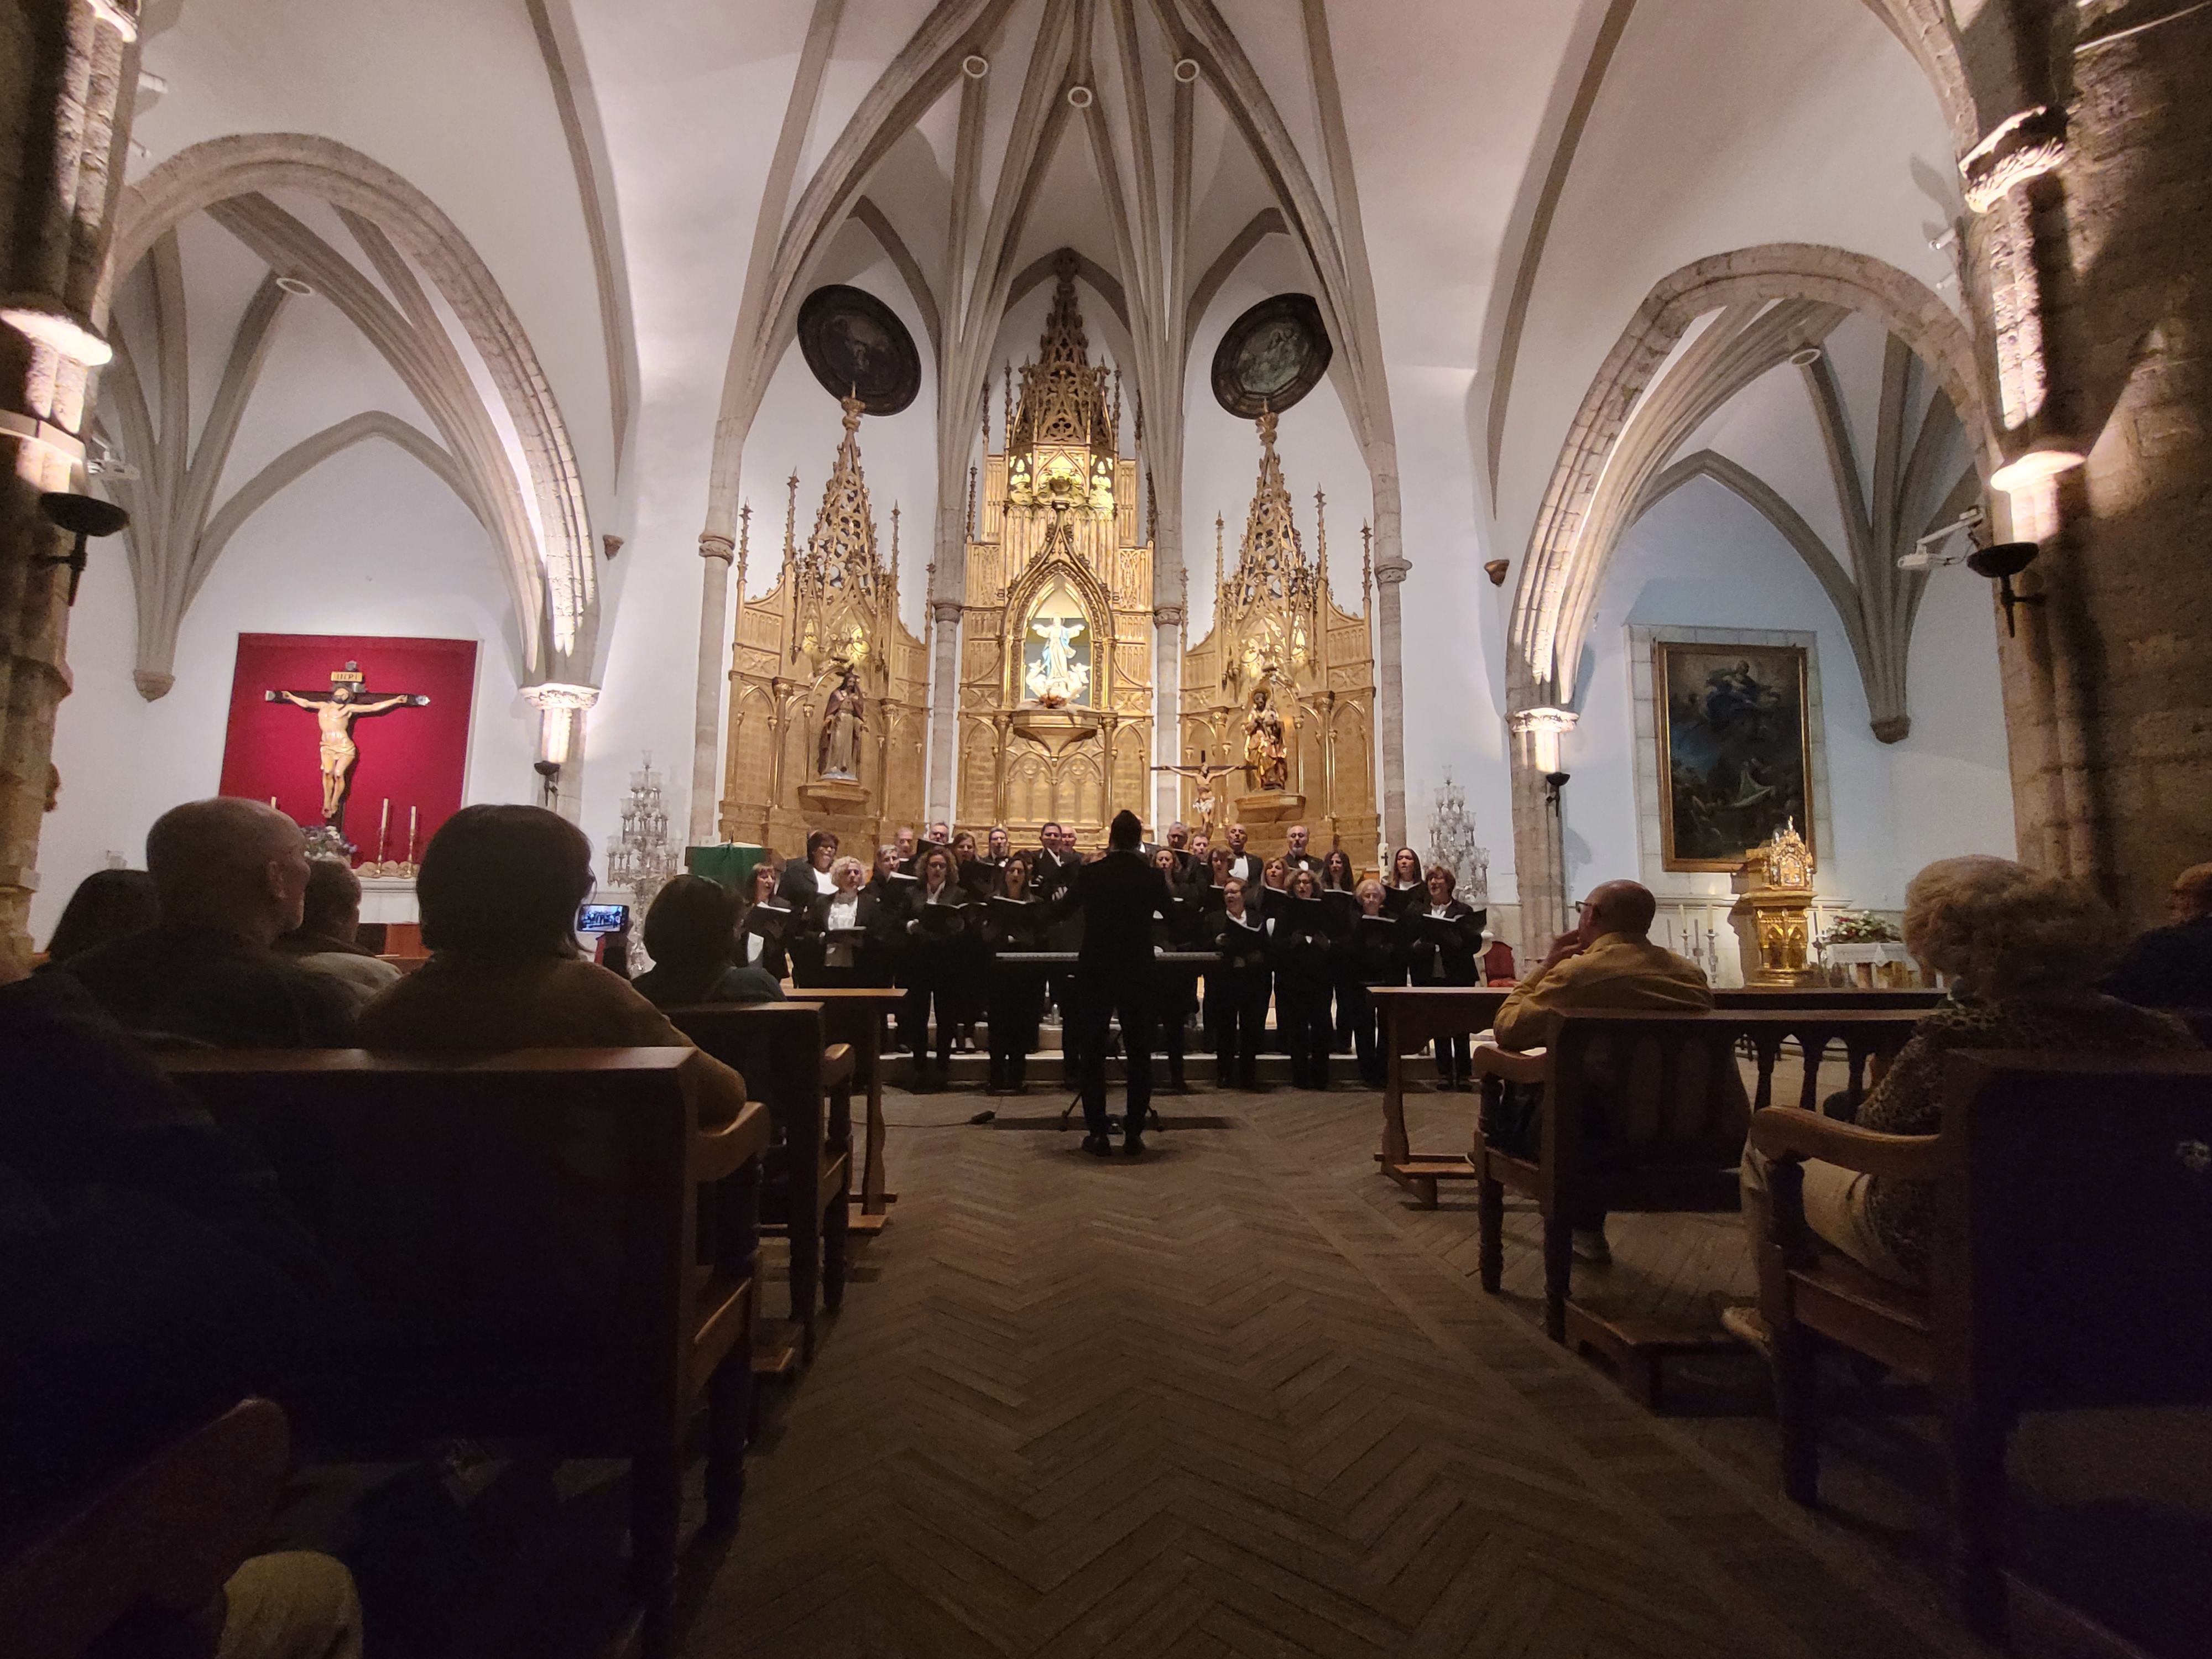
639,858
1452,844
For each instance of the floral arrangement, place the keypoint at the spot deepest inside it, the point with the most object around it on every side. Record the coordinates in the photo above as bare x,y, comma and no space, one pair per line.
1859,927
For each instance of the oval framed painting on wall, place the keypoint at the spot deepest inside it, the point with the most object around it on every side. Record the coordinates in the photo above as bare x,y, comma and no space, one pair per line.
856,345
1271,356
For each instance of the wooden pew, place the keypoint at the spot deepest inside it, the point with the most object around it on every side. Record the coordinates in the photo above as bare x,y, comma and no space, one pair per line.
2074,1268
806,1082
544,1244
1644,1112
148,1555
854,1015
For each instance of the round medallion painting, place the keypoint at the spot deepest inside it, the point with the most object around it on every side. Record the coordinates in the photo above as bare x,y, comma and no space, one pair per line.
1272,357
855,344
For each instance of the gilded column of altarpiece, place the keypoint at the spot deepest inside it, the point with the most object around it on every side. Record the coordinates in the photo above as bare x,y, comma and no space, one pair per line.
1282,658
829,688
1055,711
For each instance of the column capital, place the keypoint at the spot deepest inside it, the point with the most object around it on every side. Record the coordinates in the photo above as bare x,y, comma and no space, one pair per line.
552,693
2025,145
1167,615
1542,720
1389,573
713,546
945,612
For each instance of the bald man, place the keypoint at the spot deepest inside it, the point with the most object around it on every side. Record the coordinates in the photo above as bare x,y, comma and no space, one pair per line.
230,879
2171,967
1606,960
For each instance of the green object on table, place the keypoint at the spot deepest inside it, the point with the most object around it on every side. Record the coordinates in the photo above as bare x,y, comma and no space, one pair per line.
732,864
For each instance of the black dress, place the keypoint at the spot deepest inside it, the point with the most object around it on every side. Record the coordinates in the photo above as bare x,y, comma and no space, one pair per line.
1016,989
1372,955
1304,968
1237,997
1445,949
943,950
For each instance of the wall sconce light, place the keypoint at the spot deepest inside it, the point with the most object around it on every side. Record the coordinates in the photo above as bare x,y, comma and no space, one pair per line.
1554,784
1496,570
84,517
2000,564
550,771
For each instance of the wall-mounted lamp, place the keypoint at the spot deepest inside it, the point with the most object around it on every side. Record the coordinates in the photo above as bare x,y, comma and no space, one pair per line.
1554,784
84,517
2000,564
550,771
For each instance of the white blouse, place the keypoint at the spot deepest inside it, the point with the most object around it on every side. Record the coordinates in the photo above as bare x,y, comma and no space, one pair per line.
844,912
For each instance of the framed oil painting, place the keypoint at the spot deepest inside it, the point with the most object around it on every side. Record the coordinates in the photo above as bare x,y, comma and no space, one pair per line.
1734,750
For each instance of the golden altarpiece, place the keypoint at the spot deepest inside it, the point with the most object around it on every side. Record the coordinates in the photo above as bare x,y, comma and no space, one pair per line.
1281,691
1055,711
829,688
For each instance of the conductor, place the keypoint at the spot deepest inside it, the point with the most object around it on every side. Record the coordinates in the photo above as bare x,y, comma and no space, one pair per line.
1114,971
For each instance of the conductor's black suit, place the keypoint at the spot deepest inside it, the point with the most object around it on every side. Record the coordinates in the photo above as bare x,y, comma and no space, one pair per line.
1117,896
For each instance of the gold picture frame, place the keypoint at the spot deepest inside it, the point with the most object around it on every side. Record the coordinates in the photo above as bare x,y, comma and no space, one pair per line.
1733,725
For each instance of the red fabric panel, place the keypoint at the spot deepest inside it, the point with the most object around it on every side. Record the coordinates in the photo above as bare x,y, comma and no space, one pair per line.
414,756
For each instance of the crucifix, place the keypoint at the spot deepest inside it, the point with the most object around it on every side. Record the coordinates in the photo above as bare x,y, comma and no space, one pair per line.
334,712
1202,802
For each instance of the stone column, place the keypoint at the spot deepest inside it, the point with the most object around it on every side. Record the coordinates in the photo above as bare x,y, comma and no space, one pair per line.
714,554
1539,827
66,71
2089,252
561,711
1391,570
1167,716
944,708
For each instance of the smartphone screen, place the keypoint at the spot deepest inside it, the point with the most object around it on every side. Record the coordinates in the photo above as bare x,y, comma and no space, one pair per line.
603,918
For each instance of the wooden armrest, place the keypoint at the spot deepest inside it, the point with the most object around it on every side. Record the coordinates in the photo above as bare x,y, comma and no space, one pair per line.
722,1149
837,1065
1487,1060
1786,1132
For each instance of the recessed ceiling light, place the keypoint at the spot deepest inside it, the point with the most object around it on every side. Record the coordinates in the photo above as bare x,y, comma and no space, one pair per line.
1805,357
294,285
1081,96
1185,70
974,66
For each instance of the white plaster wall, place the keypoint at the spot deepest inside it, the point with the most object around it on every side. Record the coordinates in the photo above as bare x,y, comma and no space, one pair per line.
1702,558
370,542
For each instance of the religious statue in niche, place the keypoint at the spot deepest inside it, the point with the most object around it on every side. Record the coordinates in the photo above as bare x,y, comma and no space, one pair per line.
837,752
1056,657
334,712
1267,756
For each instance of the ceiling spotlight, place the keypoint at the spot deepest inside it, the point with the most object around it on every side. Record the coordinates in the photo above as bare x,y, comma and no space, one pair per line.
294,285
1185,70
1081,96
1805,357
974,66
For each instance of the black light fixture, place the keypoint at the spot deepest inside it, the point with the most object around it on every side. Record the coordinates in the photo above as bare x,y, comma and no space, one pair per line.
550,771
83,517
1554,783
2000,563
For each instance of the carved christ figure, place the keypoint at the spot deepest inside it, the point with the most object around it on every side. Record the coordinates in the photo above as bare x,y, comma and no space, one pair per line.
837,751
334,712
1265,755
1202,804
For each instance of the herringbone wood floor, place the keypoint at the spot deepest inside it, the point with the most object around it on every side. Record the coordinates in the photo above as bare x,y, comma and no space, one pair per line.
1234,1399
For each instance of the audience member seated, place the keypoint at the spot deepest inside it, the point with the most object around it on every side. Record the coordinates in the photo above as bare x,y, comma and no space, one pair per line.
1607,960
108,905
2022,951
2168,966
499,890
230,878
326,940
691,933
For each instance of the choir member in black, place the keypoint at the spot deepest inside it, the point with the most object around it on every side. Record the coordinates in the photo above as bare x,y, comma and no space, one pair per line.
1237,990
890,886
1305,961
802,882
835,958
941,962
1405,886
1300,855
1442,941
1338,876
1244,865
1117,895
903,842
1201,861
1370,956
764,923
1052,867
1014,920
1176,983
996,849
1178,844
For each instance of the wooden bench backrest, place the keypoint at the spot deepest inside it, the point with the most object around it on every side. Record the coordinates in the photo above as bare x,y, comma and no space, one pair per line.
2079,1271
1665,1087
777,1046
1838,998
526,1197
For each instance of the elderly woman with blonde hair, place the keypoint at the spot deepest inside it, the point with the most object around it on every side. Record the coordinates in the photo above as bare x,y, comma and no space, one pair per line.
2022,951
